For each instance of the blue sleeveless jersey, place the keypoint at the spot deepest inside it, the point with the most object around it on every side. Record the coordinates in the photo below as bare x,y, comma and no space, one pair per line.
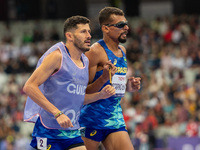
107,113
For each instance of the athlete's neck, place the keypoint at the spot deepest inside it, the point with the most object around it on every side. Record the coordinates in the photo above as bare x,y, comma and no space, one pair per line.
112,45
74,53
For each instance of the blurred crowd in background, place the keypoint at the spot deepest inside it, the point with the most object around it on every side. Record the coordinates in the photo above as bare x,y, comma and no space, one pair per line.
164,52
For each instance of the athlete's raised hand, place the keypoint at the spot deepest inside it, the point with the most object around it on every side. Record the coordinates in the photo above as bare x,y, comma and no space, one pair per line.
133,84
108,66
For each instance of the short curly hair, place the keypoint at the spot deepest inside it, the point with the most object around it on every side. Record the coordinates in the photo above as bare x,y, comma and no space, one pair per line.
73,21
105,13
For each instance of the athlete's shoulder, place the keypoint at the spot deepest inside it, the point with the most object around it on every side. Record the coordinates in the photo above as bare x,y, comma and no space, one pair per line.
97,47
56,54
95,50
54,58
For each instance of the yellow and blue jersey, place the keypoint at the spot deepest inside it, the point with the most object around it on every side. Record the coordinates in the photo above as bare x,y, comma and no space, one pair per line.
107,113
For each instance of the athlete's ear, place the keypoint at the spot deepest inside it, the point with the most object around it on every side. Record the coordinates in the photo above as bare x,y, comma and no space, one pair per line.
69,36
104,28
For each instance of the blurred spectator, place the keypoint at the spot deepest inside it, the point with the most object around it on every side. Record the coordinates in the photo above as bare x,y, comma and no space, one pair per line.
7,34
27,38
192,128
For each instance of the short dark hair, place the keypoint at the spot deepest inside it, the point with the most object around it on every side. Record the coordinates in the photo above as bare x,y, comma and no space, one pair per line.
105,13
73,21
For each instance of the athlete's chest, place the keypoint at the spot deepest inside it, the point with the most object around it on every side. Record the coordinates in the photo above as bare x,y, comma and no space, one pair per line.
109,55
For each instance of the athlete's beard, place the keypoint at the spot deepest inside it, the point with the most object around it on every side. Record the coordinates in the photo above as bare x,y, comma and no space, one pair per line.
121,40
79,44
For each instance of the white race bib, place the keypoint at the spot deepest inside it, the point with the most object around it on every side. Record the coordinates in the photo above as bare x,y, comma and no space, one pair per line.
41,143
119,83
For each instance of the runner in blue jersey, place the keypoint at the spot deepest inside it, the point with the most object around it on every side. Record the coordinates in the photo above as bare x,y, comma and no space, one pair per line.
56,90
103,121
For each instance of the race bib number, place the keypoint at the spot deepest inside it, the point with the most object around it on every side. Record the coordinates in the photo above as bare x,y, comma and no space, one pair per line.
119,83
41,143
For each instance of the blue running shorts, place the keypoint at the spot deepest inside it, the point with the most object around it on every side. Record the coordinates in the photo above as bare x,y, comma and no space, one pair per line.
56,144
99,134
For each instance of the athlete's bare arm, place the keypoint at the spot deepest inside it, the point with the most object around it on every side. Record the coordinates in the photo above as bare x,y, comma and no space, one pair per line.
106,92
50,64
98,60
